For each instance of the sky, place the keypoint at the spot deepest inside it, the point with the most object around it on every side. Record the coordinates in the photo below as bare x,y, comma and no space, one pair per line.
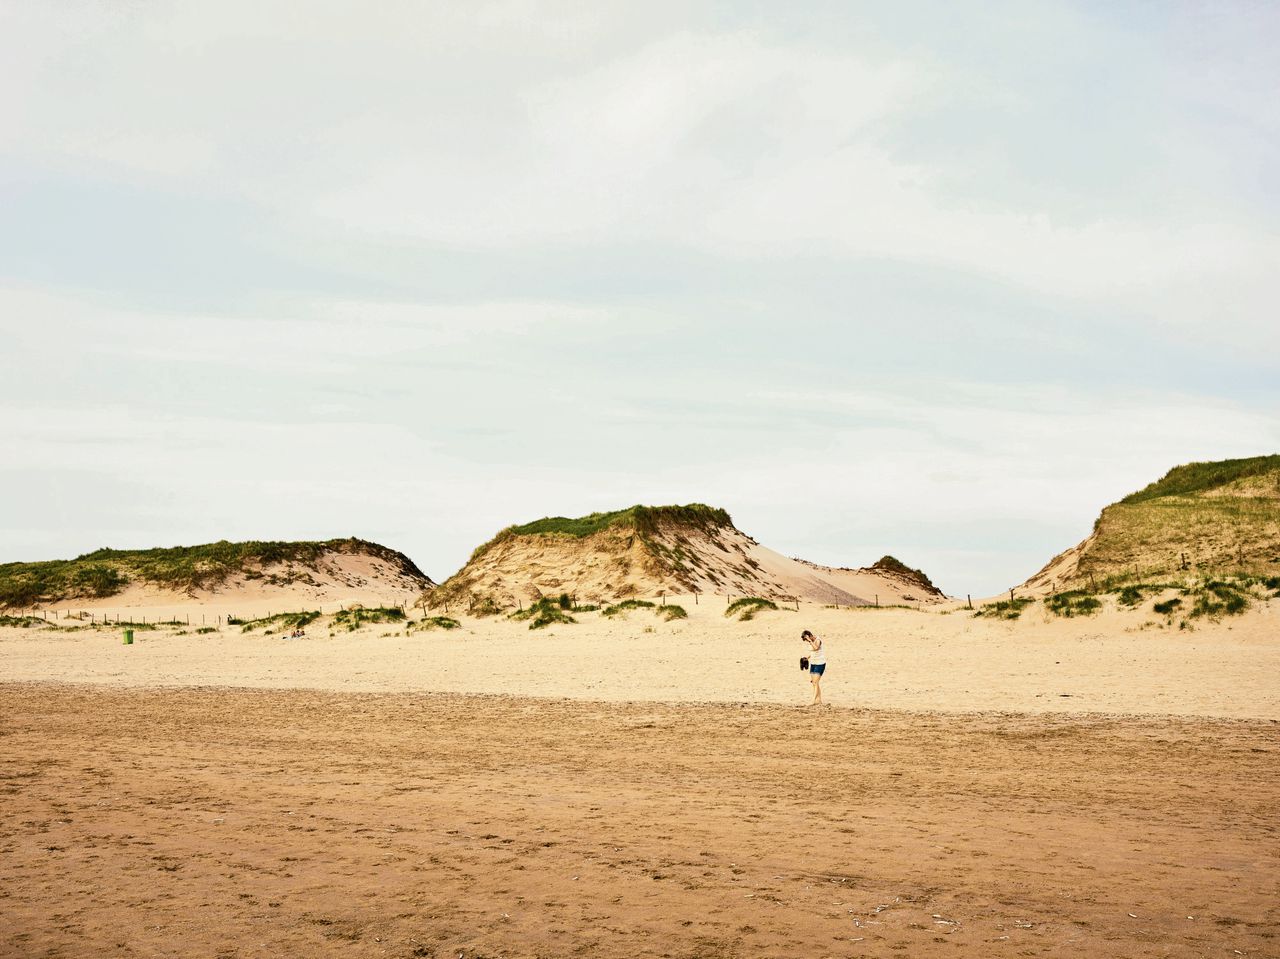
939,280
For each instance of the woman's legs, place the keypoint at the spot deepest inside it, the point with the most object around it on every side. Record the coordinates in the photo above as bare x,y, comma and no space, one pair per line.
816,679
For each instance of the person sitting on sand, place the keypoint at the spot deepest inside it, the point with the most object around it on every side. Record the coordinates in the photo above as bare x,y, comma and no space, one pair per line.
817,664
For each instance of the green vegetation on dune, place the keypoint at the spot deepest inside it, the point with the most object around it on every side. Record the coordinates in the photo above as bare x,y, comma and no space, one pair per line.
1075,602
436,622
1005,608
747,607
105,572
892,565
277,621
354,618
545,612
1194,478
617,609
1202,519
645,520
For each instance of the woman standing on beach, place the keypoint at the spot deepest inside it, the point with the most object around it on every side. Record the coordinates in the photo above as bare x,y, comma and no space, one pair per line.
817,664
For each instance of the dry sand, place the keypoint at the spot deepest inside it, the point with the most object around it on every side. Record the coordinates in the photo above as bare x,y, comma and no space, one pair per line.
273,823
887,658
367,798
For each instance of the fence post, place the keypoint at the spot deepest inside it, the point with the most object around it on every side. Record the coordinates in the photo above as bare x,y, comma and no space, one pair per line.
877,600
1011,596
969,597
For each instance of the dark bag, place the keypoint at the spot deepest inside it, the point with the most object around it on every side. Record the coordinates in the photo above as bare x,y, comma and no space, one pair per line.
804,662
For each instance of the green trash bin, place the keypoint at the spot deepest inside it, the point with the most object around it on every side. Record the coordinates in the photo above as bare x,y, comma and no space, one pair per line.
128,637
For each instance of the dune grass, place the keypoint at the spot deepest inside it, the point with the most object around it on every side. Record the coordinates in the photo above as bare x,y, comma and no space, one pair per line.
1004,608
671,612
277,621
747,607
105,572
437,622
545,612
1194,478
1074,602
354,618
617,609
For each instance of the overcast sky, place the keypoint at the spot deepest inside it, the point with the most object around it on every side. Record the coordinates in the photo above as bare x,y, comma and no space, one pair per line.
937,280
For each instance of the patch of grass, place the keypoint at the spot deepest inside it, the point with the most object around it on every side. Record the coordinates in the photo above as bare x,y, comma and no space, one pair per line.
279,621
1132,594
617,609
438,622
671,611
1272,583
25,622
105,572
1074,602
352,619
204,630
1218,598
1168,607
747,607
543,613
892,565
1004,608
1199,477
645,519
585,608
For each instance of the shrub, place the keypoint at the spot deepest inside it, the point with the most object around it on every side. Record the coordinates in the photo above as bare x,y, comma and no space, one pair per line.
625,606
439,622
1168,606
543,613
549,616
747,607
205,629
1075,602
1004,608
671,611
278,621
354,618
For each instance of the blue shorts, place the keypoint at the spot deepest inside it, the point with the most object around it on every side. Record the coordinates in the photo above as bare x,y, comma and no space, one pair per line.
817,669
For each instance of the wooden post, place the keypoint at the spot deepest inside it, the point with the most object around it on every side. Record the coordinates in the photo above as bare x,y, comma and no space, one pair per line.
695,597
877,600
969,597
1011,596
664,599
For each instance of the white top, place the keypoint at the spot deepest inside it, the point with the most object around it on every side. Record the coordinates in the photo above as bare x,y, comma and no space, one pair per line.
819,656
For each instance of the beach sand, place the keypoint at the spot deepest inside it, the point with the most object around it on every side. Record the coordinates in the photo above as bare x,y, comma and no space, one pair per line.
300,823
1097,787
1117,662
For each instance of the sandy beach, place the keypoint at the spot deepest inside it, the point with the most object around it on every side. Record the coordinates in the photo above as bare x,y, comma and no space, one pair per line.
272,823
1116,662
630,787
